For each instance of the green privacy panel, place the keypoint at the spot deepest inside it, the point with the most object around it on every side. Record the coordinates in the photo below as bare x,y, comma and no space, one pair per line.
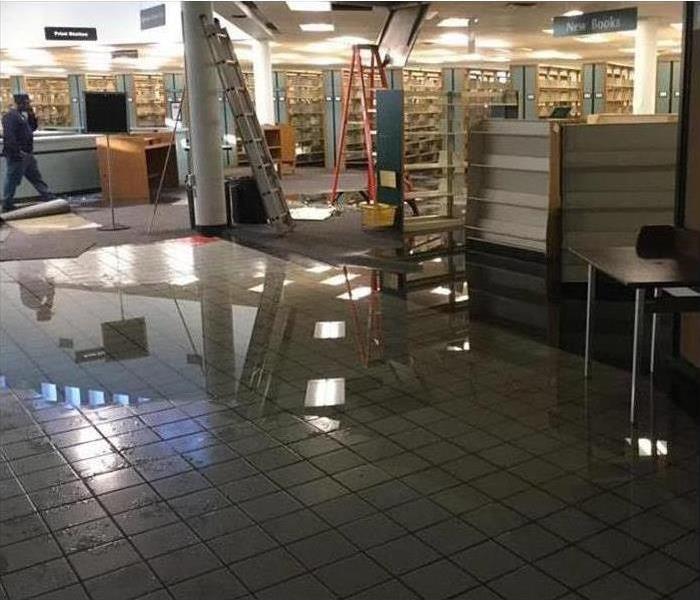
390,146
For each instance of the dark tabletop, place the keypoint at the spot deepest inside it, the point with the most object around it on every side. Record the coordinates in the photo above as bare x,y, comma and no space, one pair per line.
623,264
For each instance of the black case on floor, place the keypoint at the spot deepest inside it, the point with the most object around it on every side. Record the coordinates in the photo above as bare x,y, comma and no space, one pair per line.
244,199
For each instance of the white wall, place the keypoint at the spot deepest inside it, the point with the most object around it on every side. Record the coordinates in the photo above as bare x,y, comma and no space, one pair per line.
22,23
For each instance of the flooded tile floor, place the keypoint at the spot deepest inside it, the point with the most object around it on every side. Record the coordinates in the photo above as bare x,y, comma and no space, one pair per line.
194,419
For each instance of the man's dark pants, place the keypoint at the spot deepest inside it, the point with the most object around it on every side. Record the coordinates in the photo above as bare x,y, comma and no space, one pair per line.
16,169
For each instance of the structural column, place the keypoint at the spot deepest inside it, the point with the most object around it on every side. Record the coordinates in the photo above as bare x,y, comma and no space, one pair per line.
262,75
205,143
644,101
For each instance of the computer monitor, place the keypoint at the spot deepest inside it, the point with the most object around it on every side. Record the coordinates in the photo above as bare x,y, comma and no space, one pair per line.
560,112
105,112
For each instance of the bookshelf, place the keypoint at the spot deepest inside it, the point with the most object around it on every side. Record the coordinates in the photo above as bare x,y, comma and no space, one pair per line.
542,87
558,86
6,100
50,98
607,88
487,86
100,83
669,76
423,115
299,101
149,100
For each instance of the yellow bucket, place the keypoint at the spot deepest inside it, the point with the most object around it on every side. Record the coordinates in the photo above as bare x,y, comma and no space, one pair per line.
378,215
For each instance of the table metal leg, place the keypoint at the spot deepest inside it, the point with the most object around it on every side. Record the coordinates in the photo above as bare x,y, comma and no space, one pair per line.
590,298
652,354
638,328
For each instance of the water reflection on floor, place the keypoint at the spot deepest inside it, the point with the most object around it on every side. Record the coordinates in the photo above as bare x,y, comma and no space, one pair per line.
200,418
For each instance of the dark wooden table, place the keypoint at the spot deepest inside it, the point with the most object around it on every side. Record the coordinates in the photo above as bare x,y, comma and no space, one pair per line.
665,276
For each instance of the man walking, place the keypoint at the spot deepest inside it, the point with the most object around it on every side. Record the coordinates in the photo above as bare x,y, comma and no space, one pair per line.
18,126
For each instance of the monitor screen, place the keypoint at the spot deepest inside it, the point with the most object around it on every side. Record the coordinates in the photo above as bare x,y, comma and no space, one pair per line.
560,112
105,112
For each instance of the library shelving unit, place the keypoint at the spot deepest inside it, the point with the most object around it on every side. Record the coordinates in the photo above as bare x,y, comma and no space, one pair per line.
542,88
668,85
149,100
100,83
426,187
486,86
423,113
607,88
6,100
50,98
299,102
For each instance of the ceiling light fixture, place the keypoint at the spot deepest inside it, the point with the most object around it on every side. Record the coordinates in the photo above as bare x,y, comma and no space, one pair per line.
309,6
573,13
677,26
549,31
457,22
315,27
553,54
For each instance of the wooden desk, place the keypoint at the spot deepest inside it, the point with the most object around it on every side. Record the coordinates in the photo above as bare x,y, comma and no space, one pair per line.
663,275
137,162
281,141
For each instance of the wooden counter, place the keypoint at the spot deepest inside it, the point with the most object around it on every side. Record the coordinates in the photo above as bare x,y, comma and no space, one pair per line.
136,162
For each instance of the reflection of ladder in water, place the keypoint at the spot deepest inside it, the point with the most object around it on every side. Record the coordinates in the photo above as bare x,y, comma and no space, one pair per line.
266,338
247,124
368,75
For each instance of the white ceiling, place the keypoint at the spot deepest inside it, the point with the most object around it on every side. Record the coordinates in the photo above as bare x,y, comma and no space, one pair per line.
505,33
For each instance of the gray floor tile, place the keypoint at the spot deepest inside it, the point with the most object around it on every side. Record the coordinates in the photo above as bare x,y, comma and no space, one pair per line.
163,540
321,549
241,544
210,586
438,580
403,554
487,560
38,579
266,569
184,563
351,575
372,531
527,583
102,559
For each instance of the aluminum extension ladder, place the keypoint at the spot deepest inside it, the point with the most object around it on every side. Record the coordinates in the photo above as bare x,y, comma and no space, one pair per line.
247,125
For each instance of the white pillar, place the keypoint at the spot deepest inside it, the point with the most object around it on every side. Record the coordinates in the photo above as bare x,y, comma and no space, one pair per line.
644,101
204,130
262,75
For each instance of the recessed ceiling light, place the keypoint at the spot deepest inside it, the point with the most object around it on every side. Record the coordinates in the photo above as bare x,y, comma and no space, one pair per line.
317,27
357,293
309,6
329,330
339,279
455,38
349,40
457,22
492,43
319,268
573,13
596,38
325,392
677,26
549,31
552,54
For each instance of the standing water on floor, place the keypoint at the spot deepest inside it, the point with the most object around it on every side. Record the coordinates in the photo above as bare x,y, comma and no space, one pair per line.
197,419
